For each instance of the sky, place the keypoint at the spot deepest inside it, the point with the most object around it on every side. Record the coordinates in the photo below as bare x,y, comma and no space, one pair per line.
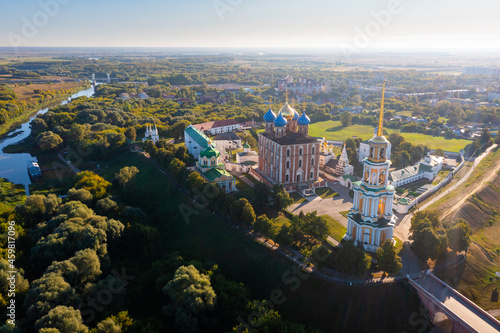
350,25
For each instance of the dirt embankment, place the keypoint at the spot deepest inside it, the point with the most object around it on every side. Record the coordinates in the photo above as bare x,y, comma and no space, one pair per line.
481,208
476,278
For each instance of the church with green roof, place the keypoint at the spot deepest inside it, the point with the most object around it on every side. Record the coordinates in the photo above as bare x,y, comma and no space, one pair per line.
211,168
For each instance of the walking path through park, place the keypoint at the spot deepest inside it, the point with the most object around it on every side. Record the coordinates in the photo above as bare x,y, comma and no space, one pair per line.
71,166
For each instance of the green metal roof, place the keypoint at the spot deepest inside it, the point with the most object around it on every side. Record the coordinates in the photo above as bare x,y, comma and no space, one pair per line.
214,174
209,152
198,136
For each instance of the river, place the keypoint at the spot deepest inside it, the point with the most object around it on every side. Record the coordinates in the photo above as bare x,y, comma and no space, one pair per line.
13,167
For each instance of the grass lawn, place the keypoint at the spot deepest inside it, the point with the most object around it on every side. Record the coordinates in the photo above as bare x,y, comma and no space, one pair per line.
333,130
241,185
326,192
399,246
336,230
297,198
344,213
251,178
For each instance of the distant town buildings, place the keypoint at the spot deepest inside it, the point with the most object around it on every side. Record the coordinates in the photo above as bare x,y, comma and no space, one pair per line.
218,126
301,86
481,70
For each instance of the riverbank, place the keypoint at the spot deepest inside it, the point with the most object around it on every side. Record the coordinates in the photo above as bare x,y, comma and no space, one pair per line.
13,123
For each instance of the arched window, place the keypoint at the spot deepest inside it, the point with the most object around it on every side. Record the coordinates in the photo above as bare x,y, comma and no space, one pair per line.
381,177
382,153
313,150
288,164
300,151
300,163
312,162
287,178
312,174
371,151
298,178
288,152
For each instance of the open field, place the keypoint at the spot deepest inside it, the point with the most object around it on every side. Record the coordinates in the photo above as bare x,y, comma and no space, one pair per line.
28,91
12,60
333,130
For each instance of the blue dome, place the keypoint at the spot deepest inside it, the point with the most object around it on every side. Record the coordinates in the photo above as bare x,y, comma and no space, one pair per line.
304,120
269,116
295,115
280,121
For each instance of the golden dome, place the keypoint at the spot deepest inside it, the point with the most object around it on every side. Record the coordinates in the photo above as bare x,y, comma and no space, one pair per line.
287,111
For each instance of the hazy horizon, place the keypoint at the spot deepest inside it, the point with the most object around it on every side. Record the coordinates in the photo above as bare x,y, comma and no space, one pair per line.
361,25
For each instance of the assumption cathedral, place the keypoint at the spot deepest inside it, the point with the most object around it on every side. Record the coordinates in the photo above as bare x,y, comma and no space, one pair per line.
287,154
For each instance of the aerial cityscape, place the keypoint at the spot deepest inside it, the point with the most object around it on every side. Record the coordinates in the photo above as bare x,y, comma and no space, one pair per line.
237,166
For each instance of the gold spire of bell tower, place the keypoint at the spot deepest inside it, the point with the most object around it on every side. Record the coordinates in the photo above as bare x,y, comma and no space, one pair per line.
286,94
380,130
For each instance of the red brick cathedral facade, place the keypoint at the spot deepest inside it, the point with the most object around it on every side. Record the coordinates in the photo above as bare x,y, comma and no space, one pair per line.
287,154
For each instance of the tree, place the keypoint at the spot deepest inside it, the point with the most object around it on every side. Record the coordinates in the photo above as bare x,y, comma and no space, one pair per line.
387,258
346,118
192,296
486,139
82,195
175,168
195,181
46,293
247,215
130,133
93,183
48,140
351,259
428,244
281,198
261,193
266,227
126,175
459,236
65,319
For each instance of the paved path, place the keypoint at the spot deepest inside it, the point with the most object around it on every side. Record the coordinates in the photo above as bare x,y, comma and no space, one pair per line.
459,305
71,166
330,206
243,178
